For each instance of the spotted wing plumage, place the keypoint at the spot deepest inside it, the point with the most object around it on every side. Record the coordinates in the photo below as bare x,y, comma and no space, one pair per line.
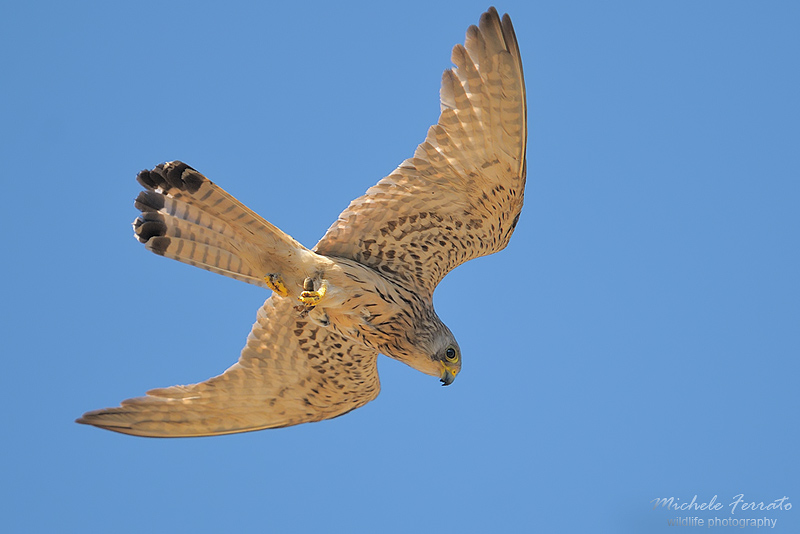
290,371
460,196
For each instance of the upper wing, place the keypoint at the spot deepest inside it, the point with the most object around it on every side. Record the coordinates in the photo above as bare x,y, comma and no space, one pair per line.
460,196
290,372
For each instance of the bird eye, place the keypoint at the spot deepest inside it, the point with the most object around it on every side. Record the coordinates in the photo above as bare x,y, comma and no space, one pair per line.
450,354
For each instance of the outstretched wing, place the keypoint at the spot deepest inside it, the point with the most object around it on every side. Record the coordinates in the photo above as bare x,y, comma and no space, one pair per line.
460,196
290,372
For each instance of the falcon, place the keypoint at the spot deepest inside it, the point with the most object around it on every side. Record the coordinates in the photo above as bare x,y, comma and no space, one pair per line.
367,287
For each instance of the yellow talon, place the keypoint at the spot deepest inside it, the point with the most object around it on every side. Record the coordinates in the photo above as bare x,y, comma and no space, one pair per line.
311,298
275,283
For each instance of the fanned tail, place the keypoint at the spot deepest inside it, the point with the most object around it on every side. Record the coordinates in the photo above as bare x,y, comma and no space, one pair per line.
186,217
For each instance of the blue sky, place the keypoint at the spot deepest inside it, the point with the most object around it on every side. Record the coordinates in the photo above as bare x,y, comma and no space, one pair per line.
638,339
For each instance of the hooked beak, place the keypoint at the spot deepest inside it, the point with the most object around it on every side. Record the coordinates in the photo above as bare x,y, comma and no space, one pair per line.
448,375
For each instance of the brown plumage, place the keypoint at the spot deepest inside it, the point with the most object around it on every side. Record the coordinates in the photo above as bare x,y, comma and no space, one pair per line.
367,286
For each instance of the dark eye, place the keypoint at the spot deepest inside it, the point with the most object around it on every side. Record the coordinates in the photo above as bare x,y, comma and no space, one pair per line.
450,354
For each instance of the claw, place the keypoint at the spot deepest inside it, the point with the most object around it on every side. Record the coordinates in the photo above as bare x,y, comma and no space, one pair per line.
275,282
309,297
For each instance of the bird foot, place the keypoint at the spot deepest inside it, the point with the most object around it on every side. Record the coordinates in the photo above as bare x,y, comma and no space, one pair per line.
309,297
275,282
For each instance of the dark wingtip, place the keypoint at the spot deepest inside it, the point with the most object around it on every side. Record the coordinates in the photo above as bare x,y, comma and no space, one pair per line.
158,245
147,179
172,175
149,201
145,230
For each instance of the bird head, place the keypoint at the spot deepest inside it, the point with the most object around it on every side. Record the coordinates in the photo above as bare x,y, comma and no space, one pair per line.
441,357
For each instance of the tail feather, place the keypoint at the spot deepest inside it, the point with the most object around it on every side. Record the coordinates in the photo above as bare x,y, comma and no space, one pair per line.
179,181
208,257
152,202
186,217
204,229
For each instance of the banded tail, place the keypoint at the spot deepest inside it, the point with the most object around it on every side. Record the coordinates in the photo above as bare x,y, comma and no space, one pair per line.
186,217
